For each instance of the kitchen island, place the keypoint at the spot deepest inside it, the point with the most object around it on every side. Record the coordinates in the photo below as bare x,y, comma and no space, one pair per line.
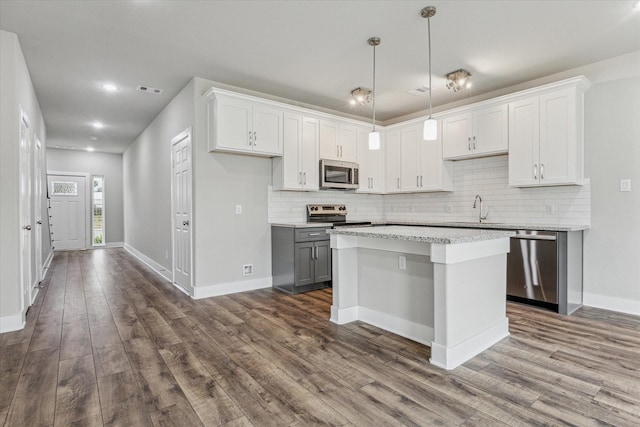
442,287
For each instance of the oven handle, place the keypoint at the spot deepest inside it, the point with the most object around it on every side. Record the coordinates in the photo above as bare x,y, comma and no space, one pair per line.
533,237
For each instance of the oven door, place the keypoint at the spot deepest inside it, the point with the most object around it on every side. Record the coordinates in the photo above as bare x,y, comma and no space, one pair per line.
338,175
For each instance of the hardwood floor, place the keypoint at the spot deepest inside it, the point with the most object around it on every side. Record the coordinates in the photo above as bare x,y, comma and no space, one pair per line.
109,342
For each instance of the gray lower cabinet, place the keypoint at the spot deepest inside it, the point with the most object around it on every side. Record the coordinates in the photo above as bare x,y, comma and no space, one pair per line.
300,258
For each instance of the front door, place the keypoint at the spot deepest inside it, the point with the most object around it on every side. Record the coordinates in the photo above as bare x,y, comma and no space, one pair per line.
68,211
181,207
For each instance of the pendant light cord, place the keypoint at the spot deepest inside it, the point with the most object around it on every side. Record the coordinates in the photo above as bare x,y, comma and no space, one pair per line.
429,43
374,87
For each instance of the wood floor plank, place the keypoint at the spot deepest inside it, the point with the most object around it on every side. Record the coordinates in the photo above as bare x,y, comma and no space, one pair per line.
76,338
39,378
121,401
77,400
11,361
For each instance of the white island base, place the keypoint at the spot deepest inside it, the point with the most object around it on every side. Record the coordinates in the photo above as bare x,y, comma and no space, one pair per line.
450,296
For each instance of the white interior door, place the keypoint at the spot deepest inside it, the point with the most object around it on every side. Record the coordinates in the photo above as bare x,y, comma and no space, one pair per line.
181,207
25,211
68,211
37,208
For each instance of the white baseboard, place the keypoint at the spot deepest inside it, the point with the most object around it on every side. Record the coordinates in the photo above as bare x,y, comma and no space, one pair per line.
11,323
151,263
114,245
405,328
231,288
621,305
454,356
47,262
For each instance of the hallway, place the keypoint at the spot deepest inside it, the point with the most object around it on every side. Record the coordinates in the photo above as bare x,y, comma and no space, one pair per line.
109,342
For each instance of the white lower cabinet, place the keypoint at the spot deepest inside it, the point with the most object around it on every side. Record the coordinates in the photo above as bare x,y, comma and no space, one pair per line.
297,169
371,173
546,138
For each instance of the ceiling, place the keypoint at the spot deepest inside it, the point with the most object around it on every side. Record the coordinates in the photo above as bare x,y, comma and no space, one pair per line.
313,52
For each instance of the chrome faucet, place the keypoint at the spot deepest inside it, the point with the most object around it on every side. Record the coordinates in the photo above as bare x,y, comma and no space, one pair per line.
480,216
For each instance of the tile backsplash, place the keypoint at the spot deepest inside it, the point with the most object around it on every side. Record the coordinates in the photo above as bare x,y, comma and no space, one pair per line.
488,177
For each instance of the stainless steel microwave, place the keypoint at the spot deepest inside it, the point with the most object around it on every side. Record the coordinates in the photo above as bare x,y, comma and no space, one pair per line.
337,175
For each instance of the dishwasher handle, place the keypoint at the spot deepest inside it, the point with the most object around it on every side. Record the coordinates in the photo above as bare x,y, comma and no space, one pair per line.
551,237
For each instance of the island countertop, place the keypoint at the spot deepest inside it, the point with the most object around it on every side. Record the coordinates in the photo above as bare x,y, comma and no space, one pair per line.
438,235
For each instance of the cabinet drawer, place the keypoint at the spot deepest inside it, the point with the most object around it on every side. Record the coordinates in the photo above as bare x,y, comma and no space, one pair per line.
311,234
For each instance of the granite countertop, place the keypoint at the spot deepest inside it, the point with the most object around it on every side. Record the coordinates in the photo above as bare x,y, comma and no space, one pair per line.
423,234
488,225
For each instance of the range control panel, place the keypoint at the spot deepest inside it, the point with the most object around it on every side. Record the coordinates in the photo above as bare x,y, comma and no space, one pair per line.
318,210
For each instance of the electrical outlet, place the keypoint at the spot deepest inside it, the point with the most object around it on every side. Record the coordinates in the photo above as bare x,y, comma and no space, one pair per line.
625,185
549,209
238,209
402,263
247,269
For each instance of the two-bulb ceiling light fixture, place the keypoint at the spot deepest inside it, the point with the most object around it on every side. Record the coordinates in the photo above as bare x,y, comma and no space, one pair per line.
458,80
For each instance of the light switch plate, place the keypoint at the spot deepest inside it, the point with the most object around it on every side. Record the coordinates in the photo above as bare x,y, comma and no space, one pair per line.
238,209
625,185
402,263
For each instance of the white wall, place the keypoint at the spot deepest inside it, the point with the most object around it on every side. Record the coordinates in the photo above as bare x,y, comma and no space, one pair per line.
147,181
225,241
106,164
612,152
16,90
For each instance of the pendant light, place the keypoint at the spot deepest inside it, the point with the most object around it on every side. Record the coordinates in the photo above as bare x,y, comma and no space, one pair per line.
374,136
430,132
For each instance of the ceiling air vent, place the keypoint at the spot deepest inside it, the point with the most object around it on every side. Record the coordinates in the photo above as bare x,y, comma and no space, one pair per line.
419,90
148,89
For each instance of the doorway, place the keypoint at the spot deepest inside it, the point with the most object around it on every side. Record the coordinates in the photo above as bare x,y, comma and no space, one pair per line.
181,209
69,219
37,209
25,211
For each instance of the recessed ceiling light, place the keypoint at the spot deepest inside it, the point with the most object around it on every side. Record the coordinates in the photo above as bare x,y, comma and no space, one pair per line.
97,125
90,148
93,138
636,5
109,87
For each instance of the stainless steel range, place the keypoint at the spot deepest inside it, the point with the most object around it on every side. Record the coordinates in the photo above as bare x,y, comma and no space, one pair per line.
332,214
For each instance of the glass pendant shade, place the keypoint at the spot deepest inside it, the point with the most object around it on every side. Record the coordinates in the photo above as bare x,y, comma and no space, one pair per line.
430,130
374,140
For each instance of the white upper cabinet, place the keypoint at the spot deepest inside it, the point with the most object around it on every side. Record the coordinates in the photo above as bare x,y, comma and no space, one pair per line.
338,141
371,173
392,161
421,166
546,137
240,125
297,169
478,132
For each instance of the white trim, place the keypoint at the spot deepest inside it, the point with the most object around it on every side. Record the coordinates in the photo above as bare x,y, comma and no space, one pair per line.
111,245
621,305
151,263
341,316
47,263
13,322
454,356
231,288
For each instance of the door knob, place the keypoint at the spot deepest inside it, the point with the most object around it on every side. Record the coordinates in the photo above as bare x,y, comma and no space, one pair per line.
27,227
185,222
39,222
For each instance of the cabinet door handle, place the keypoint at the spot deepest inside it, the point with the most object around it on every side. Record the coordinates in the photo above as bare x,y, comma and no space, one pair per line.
314,253
535,171
304,175
474,142
541,170
299,177
398,182
421,181
469,143
250,139
313,234
255,138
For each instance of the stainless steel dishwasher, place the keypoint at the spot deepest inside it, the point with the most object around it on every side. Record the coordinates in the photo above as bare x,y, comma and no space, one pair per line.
544,268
